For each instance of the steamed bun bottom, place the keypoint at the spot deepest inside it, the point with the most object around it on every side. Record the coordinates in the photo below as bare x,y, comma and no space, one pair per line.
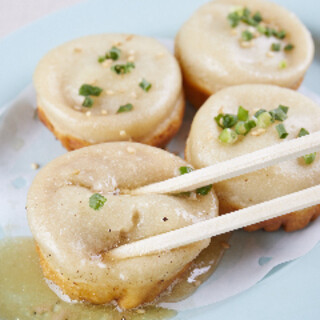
73,245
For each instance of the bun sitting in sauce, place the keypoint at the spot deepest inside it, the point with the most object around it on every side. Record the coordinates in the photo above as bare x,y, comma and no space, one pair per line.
79,208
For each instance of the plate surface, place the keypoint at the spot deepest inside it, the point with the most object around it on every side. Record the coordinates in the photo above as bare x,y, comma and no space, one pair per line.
290,292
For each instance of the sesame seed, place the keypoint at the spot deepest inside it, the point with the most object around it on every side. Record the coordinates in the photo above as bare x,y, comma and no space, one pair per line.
77,107
258,132
270,54
88,113
129,37
160,54
131,150
35,166
123,133
233,32
131,52
109,92
252,29
225,245
106,63
77,50
245,44
210,135
117,43
104,111
133,94
131,58
220,110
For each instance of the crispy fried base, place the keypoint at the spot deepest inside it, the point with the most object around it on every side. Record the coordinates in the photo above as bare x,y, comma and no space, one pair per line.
100,294
159,139
290,222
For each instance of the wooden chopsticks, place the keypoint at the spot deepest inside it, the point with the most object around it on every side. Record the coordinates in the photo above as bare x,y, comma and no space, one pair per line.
237,219
222,224
237,166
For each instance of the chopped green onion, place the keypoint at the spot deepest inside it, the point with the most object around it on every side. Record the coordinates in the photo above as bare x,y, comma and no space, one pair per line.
280,113
125,108
276,47
285,109
226,120
241,128
279,34
247,35
251,124
261,29
309,158
282,132
145,85
283,64
303,132
203,191
245,12
218,118
234,19
88,102
113,54
88,90
229,120
264,120
243,114
123,68
268,32
97,201
288,47
184,170
101,59
257,17
257,114
250,21
228,136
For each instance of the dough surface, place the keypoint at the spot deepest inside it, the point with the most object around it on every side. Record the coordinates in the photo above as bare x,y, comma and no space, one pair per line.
212,57
61,73
74,239
204,149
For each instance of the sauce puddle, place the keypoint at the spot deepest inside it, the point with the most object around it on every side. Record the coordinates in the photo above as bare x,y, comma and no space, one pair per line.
25,295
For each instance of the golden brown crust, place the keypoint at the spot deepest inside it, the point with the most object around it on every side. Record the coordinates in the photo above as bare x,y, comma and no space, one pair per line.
99,295
158,140
290,222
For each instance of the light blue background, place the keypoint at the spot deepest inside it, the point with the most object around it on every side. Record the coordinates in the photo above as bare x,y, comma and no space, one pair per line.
290,292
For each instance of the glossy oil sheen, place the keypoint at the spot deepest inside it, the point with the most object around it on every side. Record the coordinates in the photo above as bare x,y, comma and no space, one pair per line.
25,295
